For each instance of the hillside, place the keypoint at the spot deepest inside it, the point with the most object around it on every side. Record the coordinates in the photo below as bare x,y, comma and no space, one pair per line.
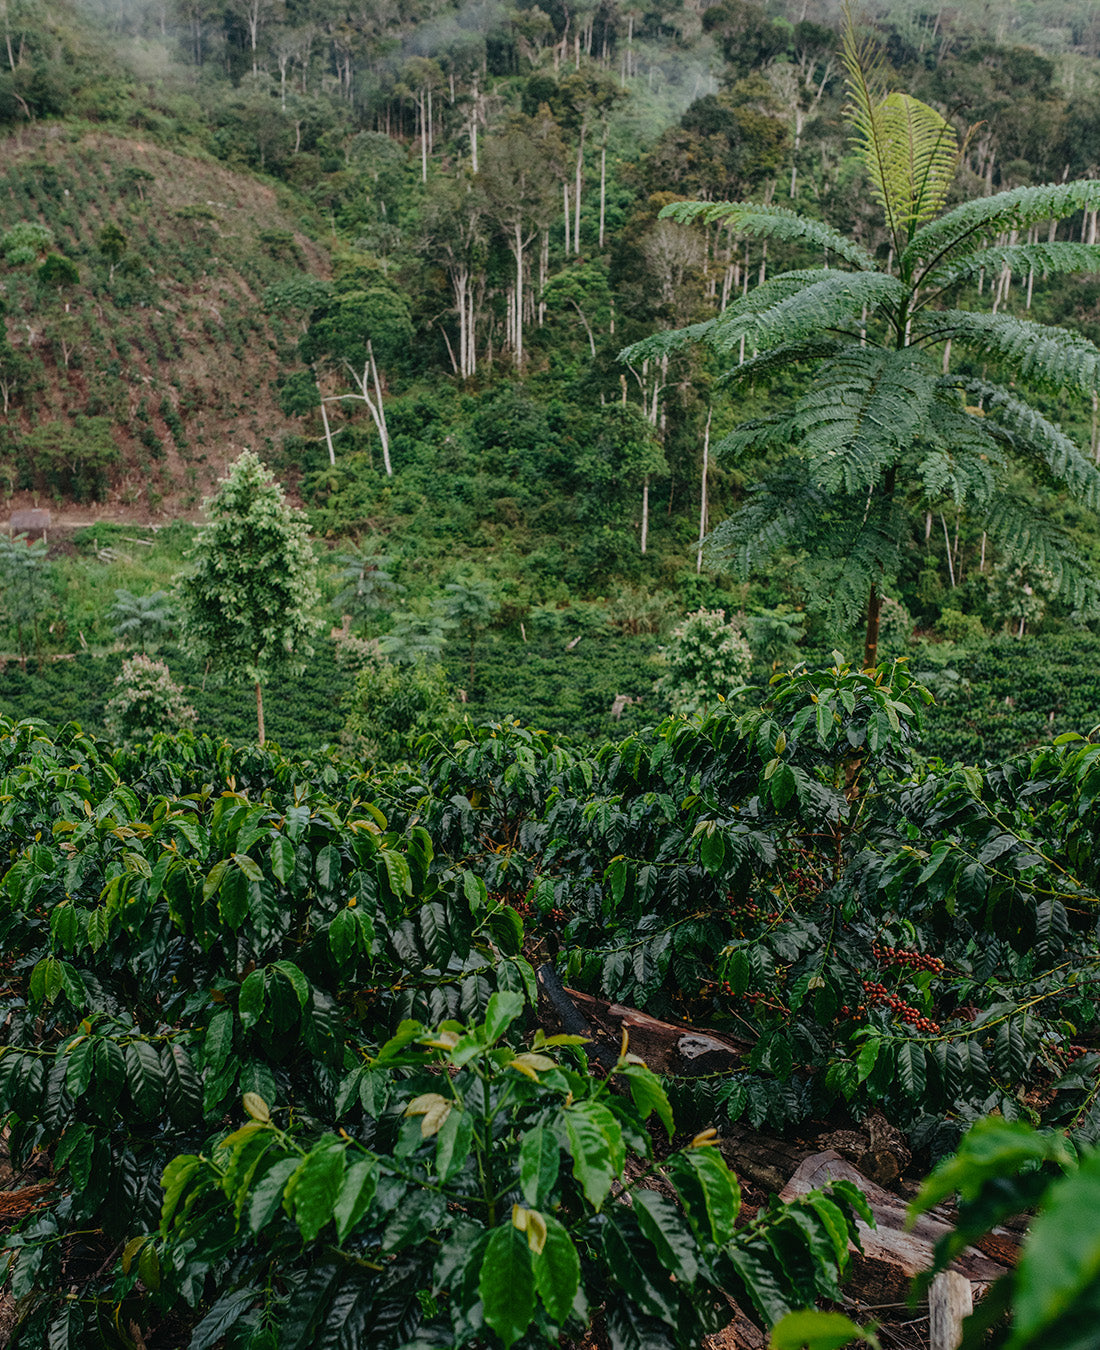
162,338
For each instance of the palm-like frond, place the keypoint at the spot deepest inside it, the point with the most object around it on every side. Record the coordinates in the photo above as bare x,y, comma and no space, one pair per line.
909,149
1035,439
835,301
758,434
666,340
1031,541
773,222
1019,259
780,360
784,510
1042,354
865,408
967,228
962,456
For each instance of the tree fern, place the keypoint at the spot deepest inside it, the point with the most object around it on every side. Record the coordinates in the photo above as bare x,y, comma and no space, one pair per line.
1032,541
876,431
967,228
909,149
863,411
773,222
1033,438
834,301
1043,355
1020,259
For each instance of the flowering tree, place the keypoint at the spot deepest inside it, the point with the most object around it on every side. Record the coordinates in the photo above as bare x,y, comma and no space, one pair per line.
706,658
147,700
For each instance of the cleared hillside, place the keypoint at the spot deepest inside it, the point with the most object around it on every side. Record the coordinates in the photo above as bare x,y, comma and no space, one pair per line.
156,364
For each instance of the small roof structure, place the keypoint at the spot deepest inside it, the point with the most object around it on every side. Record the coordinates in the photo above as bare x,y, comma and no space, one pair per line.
32,522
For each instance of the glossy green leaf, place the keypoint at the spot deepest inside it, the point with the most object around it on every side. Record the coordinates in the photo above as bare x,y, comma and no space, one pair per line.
507,1284
539,1162
557,1271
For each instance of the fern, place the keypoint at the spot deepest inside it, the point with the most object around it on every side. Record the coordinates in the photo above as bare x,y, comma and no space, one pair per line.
865,408
1032,541
965,229
909,149
1047,357
784,510
779,360
1035,439
1020,259
758,434
835,301
773,222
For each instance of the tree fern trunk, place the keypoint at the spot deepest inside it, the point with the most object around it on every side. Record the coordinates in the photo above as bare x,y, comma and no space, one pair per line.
870,645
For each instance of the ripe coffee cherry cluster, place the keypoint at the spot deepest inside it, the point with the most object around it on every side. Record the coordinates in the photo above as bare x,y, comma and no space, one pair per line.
1066,1054
746,908
898,956
752,996
878,994
804,883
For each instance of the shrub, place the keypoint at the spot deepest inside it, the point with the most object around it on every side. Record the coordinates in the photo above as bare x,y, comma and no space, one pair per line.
393,707
147,701
706,658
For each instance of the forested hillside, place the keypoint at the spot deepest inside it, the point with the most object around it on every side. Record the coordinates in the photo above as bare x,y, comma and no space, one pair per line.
398,252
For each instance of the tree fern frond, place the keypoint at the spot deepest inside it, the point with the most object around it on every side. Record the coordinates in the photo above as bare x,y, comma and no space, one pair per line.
864,410
1032,541
867,548
909,149
966,228
782,511
758,433
1034,438
960,466
1020,259
773,222
664,341
1041,354
835,300
779,360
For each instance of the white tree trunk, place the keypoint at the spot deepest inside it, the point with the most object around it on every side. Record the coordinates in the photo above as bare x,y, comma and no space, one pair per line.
703,495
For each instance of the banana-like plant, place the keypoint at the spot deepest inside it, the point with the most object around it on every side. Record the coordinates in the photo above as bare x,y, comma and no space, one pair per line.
882,426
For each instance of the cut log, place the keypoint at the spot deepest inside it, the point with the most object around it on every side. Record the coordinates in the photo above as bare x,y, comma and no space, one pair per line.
890,1240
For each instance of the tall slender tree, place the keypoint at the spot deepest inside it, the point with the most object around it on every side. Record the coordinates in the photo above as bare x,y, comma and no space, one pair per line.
248,598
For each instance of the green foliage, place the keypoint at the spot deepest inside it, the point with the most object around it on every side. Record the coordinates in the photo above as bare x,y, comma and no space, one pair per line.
74,458
490,1182
393,706
875,427
25,243
25,576
141,618
146,701
248,596
706,657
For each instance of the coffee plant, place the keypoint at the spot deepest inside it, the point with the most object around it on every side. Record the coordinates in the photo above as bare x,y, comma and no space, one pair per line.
185,925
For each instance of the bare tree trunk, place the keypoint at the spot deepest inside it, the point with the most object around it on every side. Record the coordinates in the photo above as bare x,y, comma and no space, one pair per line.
603,185
577,193
645,512
260,711
519,296
328,429
565,198
703,495
380,419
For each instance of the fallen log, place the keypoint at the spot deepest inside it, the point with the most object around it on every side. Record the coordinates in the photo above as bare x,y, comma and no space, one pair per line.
667,1047
891,1240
